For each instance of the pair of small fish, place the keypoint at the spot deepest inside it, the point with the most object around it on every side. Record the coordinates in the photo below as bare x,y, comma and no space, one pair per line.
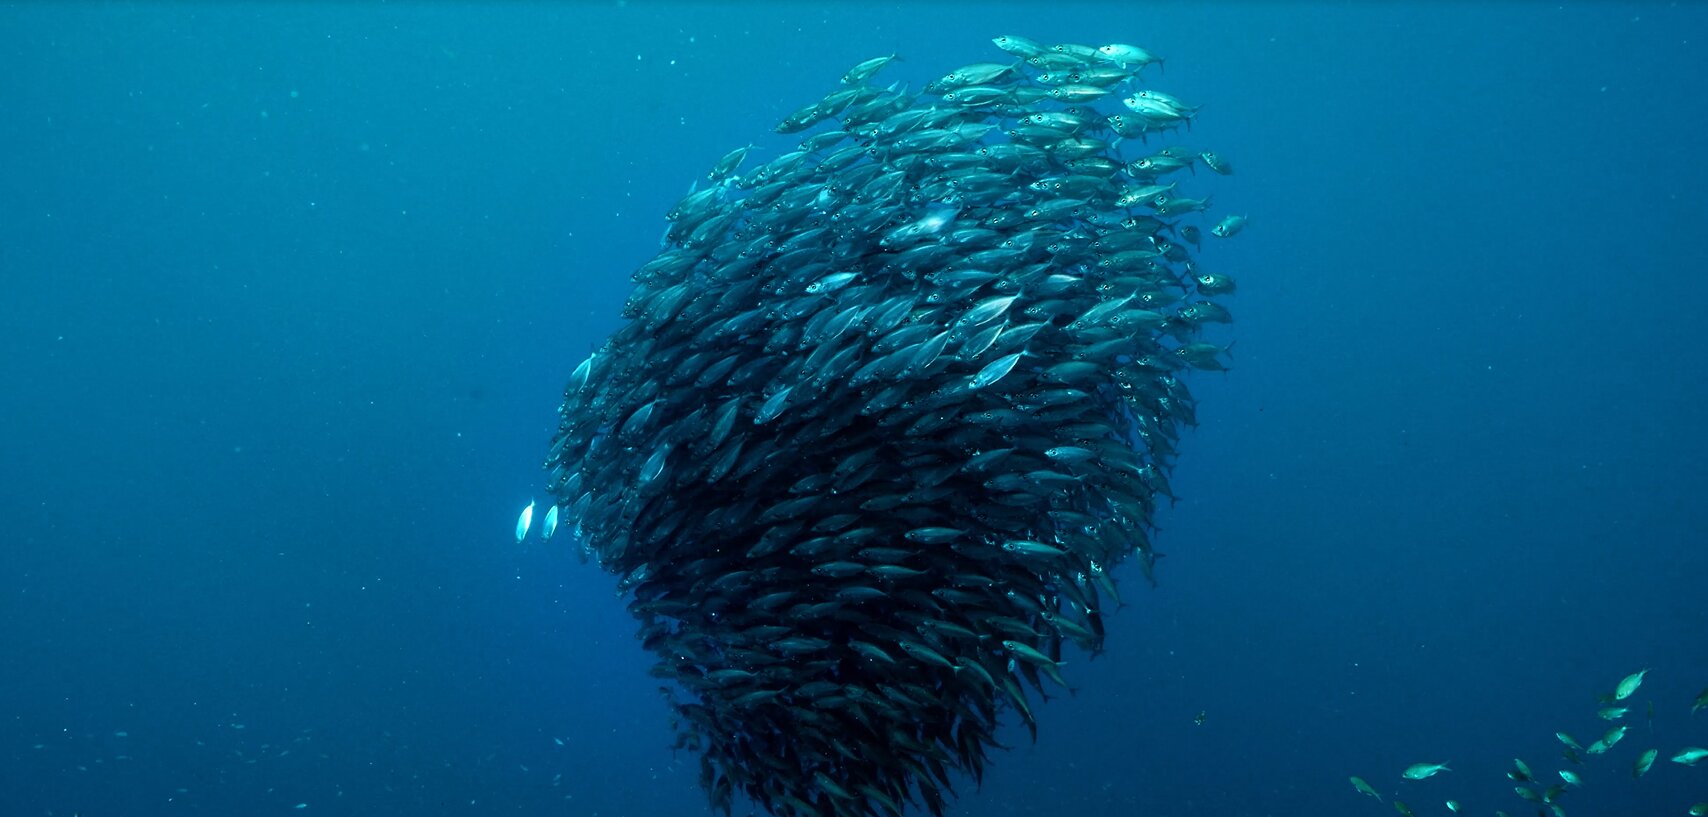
548,526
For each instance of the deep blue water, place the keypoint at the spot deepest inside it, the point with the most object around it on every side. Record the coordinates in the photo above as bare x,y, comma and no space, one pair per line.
289,293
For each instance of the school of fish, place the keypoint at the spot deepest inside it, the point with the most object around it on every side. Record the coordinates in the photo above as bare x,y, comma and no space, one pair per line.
1548,796
888,411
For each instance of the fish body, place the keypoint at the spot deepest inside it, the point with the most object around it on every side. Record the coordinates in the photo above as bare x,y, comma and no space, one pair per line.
1421,771
524,522
1127,56
1364,788
1644,761
1701,701
1690,755
1228,227
1019,46
1571,777
1629,685
1214,162
864,71
548,526
1520,771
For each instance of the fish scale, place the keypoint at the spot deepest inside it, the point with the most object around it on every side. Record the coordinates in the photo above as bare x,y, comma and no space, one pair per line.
874,435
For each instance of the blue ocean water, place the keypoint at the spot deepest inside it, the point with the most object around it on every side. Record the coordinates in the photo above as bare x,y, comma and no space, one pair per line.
289,293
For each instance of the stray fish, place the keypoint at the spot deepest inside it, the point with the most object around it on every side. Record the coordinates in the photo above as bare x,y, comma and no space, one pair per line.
1701,701
1520,771
1419,771
1644,761
864,71
549,525
1216,163
1228,227
1364,788
1629,685
1571,777
1453,806
525,521
1690,755
1612,713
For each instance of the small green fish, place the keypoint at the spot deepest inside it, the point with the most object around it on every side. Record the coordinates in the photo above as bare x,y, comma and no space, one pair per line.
1520,771
1402,808
1614,735
1701,701
1453,806
1527,793
1629,685
1689,755
1567,740
1612,713
1644,761
1699,810
1419,771
1571,777
1364,788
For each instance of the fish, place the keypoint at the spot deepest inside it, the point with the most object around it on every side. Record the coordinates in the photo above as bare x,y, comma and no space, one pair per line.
994,371
1611,713
1364,788
1700,702
1568,740
1216,163
523,522
866,69
1690,755
1699,810
549,525
1629,684
1421,771
1520,771
1571,777
1453,806
1128,56
1228,227
1644,761
1402,808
